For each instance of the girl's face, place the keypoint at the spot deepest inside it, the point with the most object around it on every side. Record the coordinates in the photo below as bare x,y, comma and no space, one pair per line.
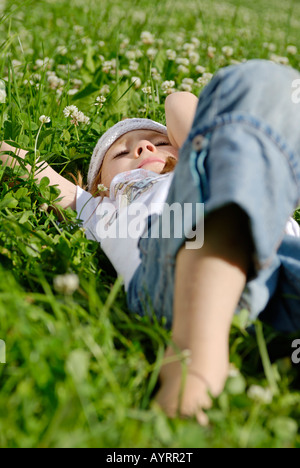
138,149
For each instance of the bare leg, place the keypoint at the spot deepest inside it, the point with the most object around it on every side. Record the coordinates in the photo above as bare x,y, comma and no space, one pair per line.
208,286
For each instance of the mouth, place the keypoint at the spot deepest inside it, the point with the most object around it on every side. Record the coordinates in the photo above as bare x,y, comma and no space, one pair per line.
150,161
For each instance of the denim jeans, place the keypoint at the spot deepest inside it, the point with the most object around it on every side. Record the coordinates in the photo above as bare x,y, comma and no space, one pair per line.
243,149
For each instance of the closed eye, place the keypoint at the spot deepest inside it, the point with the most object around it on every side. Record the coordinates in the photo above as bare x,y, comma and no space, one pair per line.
160,143
122,153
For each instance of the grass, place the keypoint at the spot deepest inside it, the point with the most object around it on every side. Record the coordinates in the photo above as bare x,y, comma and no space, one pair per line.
80,370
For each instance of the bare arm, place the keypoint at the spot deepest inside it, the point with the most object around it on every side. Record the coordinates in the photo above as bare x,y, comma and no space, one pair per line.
180,110
68,189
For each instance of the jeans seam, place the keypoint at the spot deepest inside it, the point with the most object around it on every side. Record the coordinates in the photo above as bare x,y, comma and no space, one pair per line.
288,155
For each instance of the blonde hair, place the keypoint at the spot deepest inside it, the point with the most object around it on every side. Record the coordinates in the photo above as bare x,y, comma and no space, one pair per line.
94,190
79,181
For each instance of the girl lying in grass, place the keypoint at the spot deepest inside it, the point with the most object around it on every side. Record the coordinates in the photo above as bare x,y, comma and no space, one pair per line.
237,151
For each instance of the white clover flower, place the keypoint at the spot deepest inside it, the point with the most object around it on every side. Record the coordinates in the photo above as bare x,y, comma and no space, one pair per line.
171,54
100,101
102,188
195,41
194,57
130,54
2,92
143,110
133,66
124,43
107,66
270,46
69,110
185,87
183,61
55,82
139,16
39,63
31,82
183,69
211,51
147,38
73,91
78,29
46,62
16,63
204,79
137,82
77,83
233,370
86,41
79,117
168,87
179,38
227,51
200,69
78,63
291,49
76,115
167,84
151,53
260,394
44,119
66,284
189,81
124,72
37,77
188,47
44,207
138,53
187,84
155,75
2,96
147,90
105,89
278,59
61,50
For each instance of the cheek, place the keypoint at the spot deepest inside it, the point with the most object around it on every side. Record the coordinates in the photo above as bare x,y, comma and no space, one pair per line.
109,171
175,153
105,177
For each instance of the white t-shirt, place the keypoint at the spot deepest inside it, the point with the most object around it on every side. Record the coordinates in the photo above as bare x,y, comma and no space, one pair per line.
117,223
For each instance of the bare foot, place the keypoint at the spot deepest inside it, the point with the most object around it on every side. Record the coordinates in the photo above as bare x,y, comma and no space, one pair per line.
185,392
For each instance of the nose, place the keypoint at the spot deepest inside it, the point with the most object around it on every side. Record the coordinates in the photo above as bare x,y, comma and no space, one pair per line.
142,147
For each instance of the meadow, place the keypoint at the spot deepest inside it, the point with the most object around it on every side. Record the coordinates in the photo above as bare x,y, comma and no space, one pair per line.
81,371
